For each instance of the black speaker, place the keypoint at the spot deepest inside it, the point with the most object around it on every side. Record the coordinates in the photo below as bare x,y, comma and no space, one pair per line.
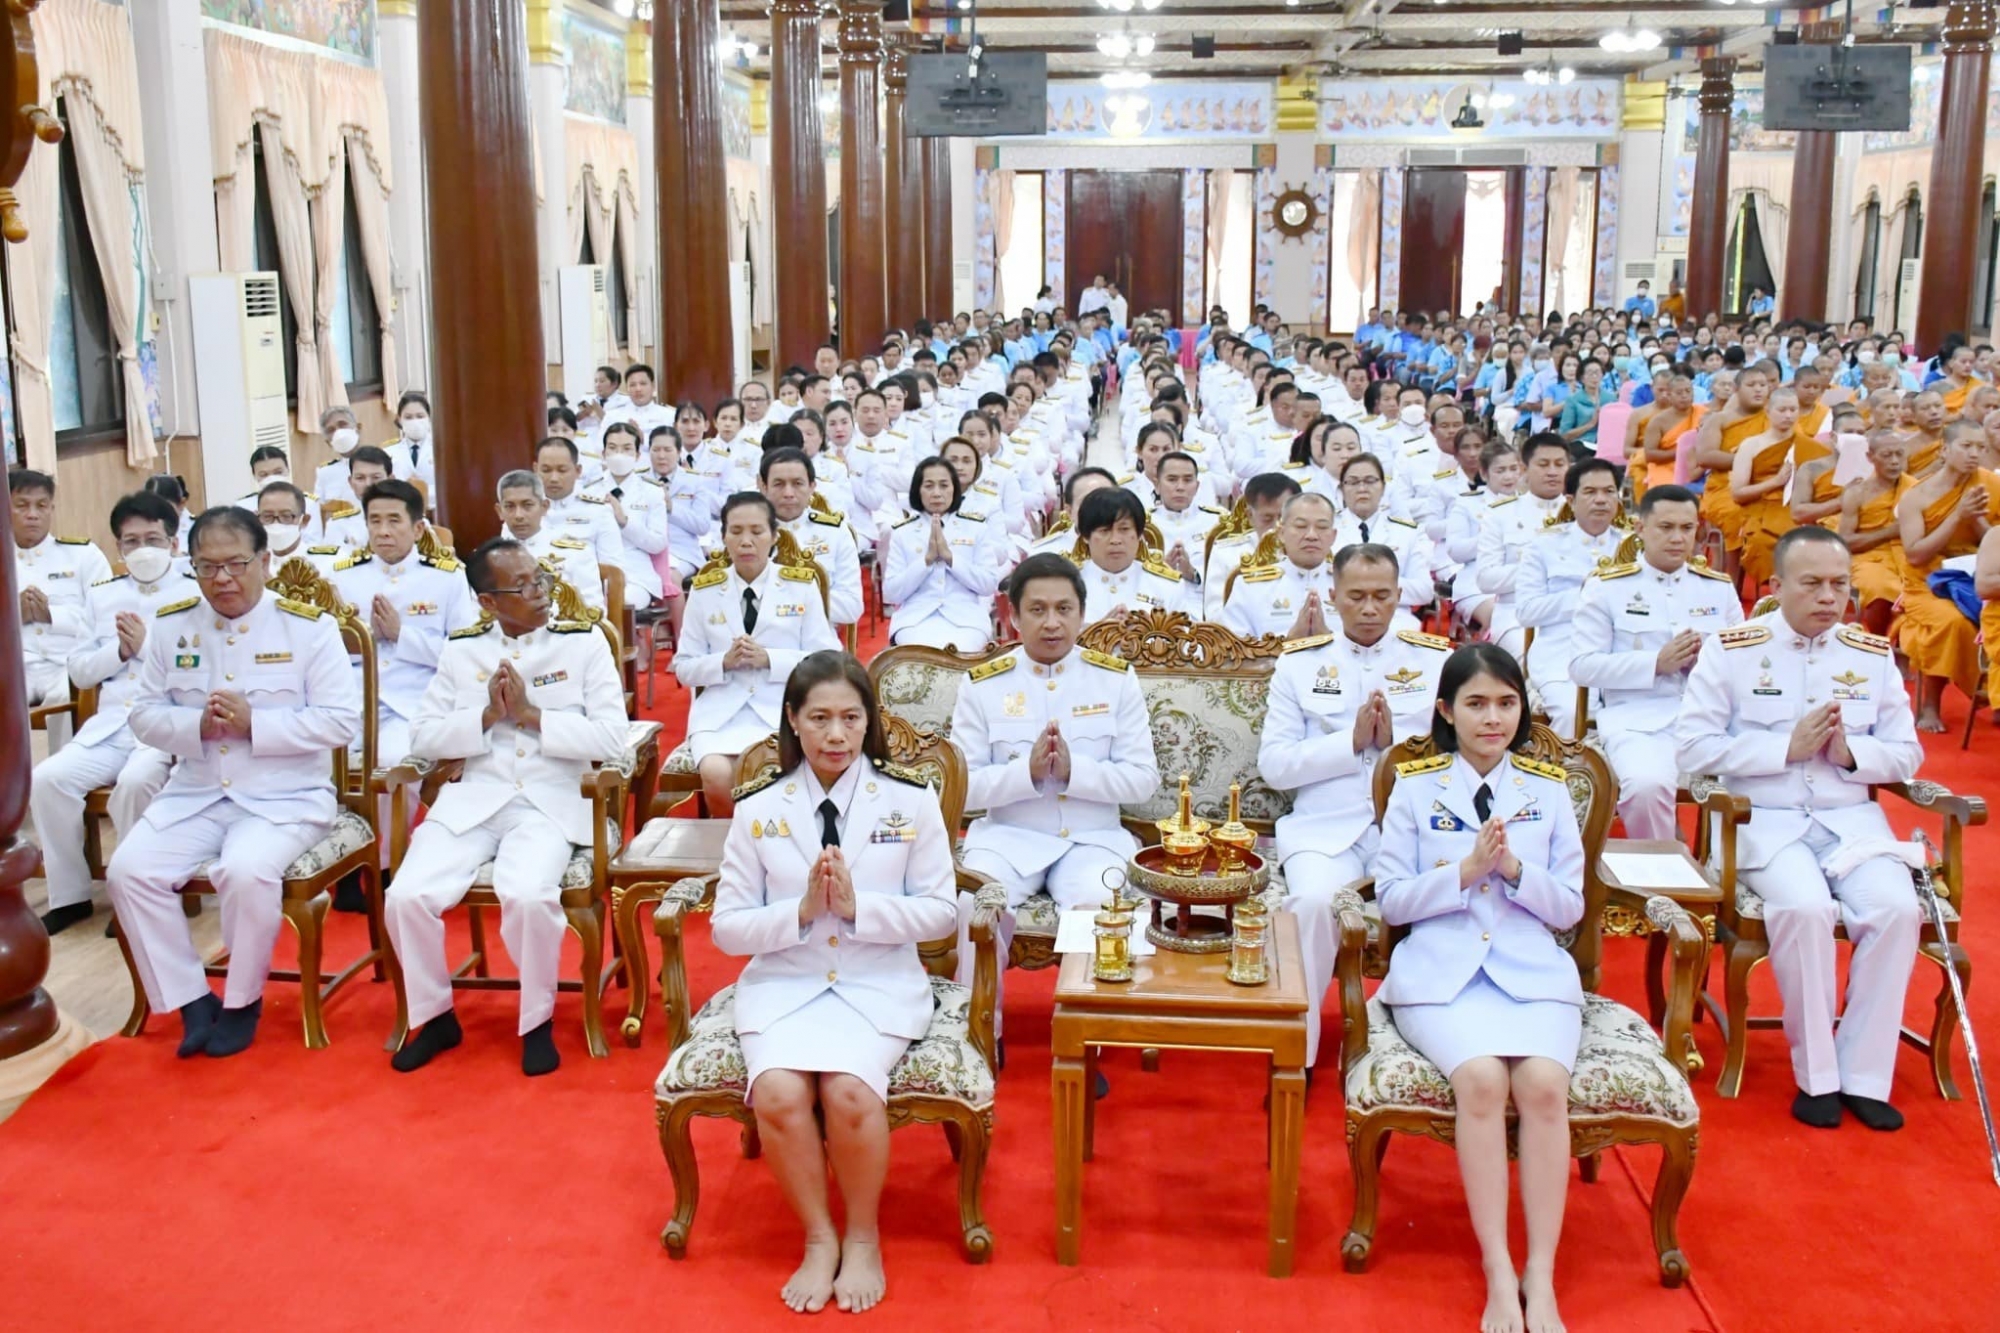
1510,44
896,11
1784,37
1204,46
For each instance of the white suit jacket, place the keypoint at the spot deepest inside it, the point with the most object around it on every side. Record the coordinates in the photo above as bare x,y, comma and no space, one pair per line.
962,591
791,622
97,662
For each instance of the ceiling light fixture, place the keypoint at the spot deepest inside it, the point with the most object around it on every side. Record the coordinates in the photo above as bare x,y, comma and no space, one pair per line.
1115,45
1127,78
1630,40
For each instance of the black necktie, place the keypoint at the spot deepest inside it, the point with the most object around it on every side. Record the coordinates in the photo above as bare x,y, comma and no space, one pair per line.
1482,801
416,451
829,832
617,492
1364,529
749,610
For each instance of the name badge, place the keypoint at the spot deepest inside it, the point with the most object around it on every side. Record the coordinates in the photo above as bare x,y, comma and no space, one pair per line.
1701,610
791,609
1090,710
420,609
1448,823
62,573
187,661
554,677
269,659
1768,691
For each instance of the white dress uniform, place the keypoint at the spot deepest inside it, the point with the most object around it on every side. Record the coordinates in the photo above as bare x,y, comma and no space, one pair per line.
832,480
1187,527
1480,973
648,418
519,803
1815,846
102,746
1268,600
246,809
826,538
1512,522
322,558
314,524
1417,588
995,497
416,461
587,518
63,568
1550,581
1464,522
644,534
882,466
432,599
711,466
332,486
1143,585
739,706
690,518
1329,838
834,996
1626,615
572,560
945,604
343,524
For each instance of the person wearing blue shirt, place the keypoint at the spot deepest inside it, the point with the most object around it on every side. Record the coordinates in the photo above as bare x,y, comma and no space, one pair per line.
1762,302
1372,333
1407,349
1642,305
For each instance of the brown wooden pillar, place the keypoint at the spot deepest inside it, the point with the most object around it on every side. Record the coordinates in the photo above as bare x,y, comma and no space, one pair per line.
903,216
937,227
864,293
1802,288
670,166
486,311
1951,209
798,183
706,364
1708,228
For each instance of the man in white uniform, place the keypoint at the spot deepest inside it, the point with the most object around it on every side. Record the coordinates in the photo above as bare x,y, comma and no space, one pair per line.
1553,569
1512,523
1283,598
641,410
253,695
55,574
528,705
786,478
522,505
1184,525
587,518
342,523
1802,715
337,427
1264,496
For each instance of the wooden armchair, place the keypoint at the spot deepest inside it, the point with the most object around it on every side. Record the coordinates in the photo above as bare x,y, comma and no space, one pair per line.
1625,1088
81,707
1740,931
947,1078
347,848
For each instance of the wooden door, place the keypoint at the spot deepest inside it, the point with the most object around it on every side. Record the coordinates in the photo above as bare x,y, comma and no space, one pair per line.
1433,238
1126,225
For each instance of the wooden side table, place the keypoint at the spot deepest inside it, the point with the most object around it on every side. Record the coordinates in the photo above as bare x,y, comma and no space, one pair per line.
1626,915
1183,1001
664,851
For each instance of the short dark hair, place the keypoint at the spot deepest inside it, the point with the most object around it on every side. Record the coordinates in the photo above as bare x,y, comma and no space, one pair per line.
1489,659
917,482
479,565
1102,509
749,499
1177,456
1374,553
788,454
231,516
551,441
396,490
1047,565
169,488
1543,439
1586,468
827,666
784,435
1270,486
146,507
1069,482
625,428
1656,496
563,416
268,451
640,368
28,479
298,495
375,454
1804,535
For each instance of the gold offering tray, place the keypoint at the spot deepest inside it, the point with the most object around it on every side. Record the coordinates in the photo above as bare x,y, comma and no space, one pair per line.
1177,889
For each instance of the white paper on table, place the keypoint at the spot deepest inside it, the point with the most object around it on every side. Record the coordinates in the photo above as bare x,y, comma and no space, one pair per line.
1654,870
1076,933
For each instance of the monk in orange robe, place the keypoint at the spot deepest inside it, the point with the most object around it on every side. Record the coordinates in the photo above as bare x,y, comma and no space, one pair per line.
1944,515
1658,439
1986,580
1810,382
1722,431
1957,385
1869,527
1757,483
1928,416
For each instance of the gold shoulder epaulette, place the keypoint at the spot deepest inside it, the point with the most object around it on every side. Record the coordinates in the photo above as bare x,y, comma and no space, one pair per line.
175,608
471,631
1862,639
1554,772
1406,522
1297,467
1261,574
972,518
569,544
796,574
570,627
754,785
353,558
1128,478
1618,571
1417,639
338,509
1705,572
303,610
1108,661
1555,520
588,498
1162,570
1300,645
1503,500
99,583
710,579
1414,767
331,548
73,541
901,774
444,562
911,519
1442,473
827,520
987,670
1744,636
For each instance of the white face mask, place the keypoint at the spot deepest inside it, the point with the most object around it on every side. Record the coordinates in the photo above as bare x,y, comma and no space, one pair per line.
621,465
344,440
1659,366
1543,363
149,564
1412,415
283,536
417,429
1865,355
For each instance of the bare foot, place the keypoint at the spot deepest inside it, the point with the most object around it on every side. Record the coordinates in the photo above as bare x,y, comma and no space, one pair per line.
1503,1303
861,1284
1539,1290
809,1289
1928,720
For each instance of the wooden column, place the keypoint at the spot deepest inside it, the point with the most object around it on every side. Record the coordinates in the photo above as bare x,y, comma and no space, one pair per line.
864,293
485,286
937,227
1802,288
903,217
798,183
670,165
1708,229
706,364
1951,209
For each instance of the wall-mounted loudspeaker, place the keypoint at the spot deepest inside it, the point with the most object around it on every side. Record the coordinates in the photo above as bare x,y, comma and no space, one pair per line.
1204,46
1510,44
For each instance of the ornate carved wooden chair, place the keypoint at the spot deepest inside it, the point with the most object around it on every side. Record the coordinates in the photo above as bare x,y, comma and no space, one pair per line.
946,1078
348,847
1624,1089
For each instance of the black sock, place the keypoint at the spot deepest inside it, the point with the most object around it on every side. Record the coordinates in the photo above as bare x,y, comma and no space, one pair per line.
1871,1112
433,1039
1820,1110
538,1050
235,1030
347,896
197,1022
58,919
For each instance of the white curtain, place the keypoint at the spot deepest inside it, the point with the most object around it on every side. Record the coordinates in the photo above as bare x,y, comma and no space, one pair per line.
1219,186
31,268
291,215
329,229
117,234
1563,191
1364,238
626,204
1000,195
236,218
371,211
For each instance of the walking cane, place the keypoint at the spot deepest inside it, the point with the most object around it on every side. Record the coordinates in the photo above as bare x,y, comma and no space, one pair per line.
1927,891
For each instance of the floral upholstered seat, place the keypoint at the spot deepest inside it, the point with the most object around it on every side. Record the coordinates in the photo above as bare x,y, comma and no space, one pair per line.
1750,904
349,834
1209,728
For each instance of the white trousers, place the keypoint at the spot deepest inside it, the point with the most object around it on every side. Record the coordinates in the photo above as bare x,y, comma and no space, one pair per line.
528,851
246,858
1878,905
1310,881
1648,778
48,683
146,771
935,631
61,784
1074,880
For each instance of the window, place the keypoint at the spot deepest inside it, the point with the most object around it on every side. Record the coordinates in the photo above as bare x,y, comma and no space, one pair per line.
1022,267
1984,261
1871,257
1230,285
1745,265
614,293
357,337
84,373
1356,241
265,236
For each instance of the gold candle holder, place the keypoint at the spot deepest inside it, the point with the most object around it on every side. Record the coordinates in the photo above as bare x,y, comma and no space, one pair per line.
1183,821
1112,960
1234,841
1249,945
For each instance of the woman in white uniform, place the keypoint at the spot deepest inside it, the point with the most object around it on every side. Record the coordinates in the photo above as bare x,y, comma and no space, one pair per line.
833,873
1480,857
943,567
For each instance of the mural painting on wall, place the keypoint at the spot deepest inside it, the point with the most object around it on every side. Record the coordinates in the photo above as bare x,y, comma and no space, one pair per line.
347,26
1402,109
1055,231
1264,265
982,229
1604,281
1680,202
1322,243
1391,279
1534,223
736,119
1161,110
1194,242
596,71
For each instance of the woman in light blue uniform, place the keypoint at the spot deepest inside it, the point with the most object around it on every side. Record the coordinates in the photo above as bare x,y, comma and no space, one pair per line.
1481,859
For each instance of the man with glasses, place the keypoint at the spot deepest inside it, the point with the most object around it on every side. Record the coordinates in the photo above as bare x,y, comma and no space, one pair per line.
526,704
522,505
281,509
756,400
1290,598
251,694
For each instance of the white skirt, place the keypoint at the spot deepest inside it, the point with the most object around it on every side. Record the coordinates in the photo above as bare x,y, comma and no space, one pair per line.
826,1035
1483,1020
743,730
933,630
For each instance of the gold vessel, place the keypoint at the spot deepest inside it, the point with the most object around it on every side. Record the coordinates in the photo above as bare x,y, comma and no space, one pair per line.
1234,840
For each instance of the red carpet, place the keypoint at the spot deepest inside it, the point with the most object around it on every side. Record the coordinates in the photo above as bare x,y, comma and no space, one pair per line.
322,1191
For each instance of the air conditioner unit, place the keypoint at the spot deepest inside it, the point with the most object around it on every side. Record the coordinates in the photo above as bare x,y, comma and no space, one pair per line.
239,375
1640,270
584,309
1908,278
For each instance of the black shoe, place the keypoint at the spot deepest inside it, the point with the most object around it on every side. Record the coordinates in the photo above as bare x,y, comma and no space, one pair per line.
1101,1088
58,919
347,895
538,1050
433,1039
235,1030
197,1022
1821,1111
999,1054
1874,1114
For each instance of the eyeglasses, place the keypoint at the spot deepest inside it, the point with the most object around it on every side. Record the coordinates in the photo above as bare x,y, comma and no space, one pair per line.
209,570
541,583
